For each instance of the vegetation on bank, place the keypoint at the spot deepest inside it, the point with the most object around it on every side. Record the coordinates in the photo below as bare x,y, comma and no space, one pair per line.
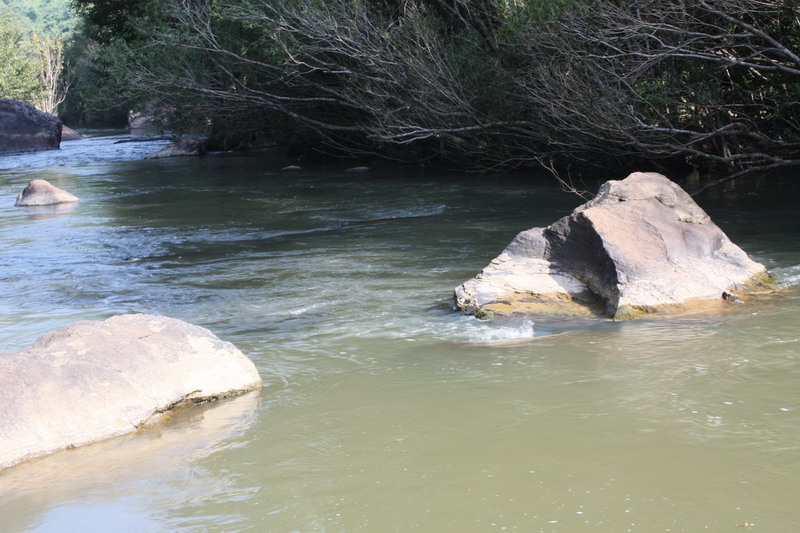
32,35
475,84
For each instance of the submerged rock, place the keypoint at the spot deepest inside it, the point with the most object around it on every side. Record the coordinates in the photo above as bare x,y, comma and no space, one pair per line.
23,128
42,192
181,148
95,380
357,170
642,245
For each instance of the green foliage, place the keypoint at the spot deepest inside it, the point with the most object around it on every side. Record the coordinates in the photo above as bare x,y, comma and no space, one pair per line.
476,83
516,14
31,51
95,97
19,62
102,43
45,17
109,20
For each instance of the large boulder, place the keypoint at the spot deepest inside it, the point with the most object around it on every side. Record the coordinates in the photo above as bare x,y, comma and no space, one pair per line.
95,380
42,192
23,128
642,245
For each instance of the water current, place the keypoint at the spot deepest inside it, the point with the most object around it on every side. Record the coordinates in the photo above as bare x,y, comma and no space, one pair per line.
382,409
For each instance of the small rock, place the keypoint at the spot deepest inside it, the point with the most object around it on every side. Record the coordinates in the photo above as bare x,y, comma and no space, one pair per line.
184,147
292,167
41,192
731,298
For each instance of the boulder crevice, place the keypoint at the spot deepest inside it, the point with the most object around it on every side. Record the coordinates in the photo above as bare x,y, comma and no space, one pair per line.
642,245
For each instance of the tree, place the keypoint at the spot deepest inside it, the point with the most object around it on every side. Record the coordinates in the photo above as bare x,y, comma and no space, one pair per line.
715,84
51,65
19,68
482,84
107,20
30,64
44,17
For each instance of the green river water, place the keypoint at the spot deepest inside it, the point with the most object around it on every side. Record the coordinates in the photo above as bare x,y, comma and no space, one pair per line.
382,409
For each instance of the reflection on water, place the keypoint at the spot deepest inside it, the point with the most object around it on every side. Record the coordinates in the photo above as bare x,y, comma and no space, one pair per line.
164,463
39,212
386,411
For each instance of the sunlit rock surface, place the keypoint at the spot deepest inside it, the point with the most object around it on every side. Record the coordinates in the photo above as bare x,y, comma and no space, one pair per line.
95,380
42,192
642,245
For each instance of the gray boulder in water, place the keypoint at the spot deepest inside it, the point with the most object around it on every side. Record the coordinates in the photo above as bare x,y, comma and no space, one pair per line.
95,380
42,192
23,128
642,245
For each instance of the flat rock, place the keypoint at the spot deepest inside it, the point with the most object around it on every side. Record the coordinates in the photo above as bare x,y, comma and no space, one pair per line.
42,192
96,380
642,245
23,128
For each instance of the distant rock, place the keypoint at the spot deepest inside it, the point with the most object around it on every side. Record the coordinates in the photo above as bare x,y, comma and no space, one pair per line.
68,134
141,122
149,119
41,192
357,170
96,380
23,128
185,147
642,245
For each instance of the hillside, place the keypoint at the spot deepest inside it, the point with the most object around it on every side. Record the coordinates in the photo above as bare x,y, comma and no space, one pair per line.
45,17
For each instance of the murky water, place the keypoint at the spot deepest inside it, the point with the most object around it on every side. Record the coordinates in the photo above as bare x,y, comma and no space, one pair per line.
382,409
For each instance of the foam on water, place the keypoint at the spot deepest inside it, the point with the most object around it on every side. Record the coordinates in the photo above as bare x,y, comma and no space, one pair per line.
489,332
788,276
97,149
471,329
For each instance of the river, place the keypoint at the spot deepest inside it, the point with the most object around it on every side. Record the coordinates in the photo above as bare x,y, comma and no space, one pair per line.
382,409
